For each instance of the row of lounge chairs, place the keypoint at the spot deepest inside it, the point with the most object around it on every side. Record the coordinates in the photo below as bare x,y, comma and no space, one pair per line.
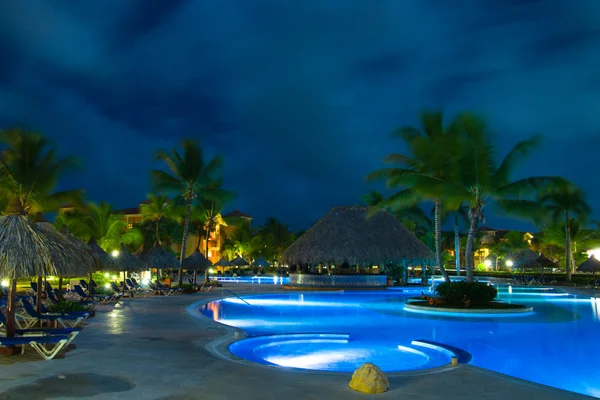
66,328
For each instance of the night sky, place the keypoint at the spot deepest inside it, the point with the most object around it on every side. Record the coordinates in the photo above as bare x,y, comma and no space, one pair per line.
299,96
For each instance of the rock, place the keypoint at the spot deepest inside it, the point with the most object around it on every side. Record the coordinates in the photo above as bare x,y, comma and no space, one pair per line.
369,379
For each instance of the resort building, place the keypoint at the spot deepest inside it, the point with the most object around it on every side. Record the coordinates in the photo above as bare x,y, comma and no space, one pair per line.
489,237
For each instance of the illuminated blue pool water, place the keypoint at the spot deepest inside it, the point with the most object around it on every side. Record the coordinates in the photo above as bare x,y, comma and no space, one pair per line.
557,345
260,279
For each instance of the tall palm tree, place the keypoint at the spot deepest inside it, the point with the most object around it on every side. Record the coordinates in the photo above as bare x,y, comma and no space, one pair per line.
30,169
157,210
566,202
188,174
480,181
425,172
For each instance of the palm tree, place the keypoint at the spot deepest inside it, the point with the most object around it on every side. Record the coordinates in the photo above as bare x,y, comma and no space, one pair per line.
424,174
188,175
157,210
566,202
99,221
480,181
209,206
30,169
274,237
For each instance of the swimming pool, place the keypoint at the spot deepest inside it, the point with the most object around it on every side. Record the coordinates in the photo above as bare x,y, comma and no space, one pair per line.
555,346
260,280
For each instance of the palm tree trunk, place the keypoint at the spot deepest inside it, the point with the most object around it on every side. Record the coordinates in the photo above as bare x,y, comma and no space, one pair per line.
438,240
208,228
469,255
158,231
10,309
186,228
568,246
456,245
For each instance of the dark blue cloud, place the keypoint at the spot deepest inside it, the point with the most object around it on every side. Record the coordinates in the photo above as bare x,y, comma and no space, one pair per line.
298,96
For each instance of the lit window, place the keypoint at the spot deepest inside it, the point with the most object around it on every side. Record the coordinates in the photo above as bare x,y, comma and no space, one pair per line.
209,253
129,226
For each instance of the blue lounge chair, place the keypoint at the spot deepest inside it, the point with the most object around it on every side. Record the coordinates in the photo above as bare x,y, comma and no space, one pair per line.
101,298
38,331
39,343
66,321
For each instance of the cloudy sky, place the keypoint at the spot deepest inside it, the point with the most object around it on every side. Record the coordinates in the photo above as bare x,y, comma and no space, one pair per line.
299,96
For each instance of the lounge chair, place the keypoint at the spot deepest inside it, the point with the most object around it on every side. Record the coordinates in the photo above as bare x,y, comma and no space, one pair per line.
137,289
65,320
100,298
54,300
38,331
39,343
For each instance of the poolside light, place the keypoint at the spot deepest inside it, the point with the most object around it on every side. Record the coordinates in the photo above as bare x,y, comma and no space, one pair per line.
106,275
595,253
509,263
4,283
107,286
115,253
114,277
211,271
487,263
145,281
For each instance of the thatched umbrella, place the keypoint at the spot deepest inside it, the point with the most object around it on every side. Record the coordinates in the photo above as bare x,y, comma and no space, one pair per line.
197,261
72,245
239,262
127,262
592,265
26,250
158,257
81,246
525,259
224,262
261,262
350,235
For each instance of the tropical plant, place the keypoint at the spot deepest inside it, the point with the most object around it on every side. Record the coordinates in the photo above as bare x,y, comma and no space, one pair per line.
208,210
188,174
98,221
158,210
240,241
30,169
274,238
564,203
480,181
423,174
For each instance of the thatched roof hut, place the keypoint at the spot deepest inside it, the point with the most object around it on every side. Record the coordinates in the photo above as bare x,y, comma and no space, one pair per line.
196,261
223,262
524,259
127,262
350,235
158,257
545,262
108,261
592,264
261,262
239,261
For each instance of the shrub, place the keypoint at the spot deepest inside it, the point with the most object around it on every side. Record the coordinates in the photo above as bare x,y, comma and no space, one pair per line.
455,293
66,306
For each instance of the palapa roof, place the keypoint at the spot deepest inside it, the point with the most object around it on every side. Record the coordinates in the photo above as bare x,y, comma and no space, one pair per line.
158,257
196,261
28,249
239,261
526,258
261,262
81,246
592,264
108,261
545,262
348,234
223,262
126,261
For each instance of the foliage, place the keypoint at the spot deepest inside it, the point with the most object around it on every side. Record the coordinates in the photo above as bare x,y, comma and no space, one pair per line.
187,176
456,293
30,169
65,306
98,220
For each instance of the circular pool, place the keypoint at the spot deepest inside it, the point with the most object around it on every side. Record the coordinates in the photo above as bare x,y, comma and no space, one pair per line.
335,352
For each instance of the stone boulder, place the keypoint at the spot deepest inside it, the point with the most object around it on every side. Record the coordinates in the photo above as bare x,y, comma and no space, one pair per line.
369,379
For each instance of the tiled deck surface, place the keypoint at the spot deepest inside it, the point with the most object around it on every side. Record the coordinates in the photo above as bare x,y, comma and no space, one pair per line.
154,349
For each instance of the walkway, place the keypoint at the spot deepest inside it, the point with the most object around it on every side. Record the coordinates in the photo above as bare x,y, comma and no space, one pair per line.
154,349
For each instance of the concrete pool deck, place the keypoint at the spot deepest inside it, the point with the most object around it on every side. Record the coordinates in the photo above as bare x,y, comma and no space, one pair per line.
154,349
